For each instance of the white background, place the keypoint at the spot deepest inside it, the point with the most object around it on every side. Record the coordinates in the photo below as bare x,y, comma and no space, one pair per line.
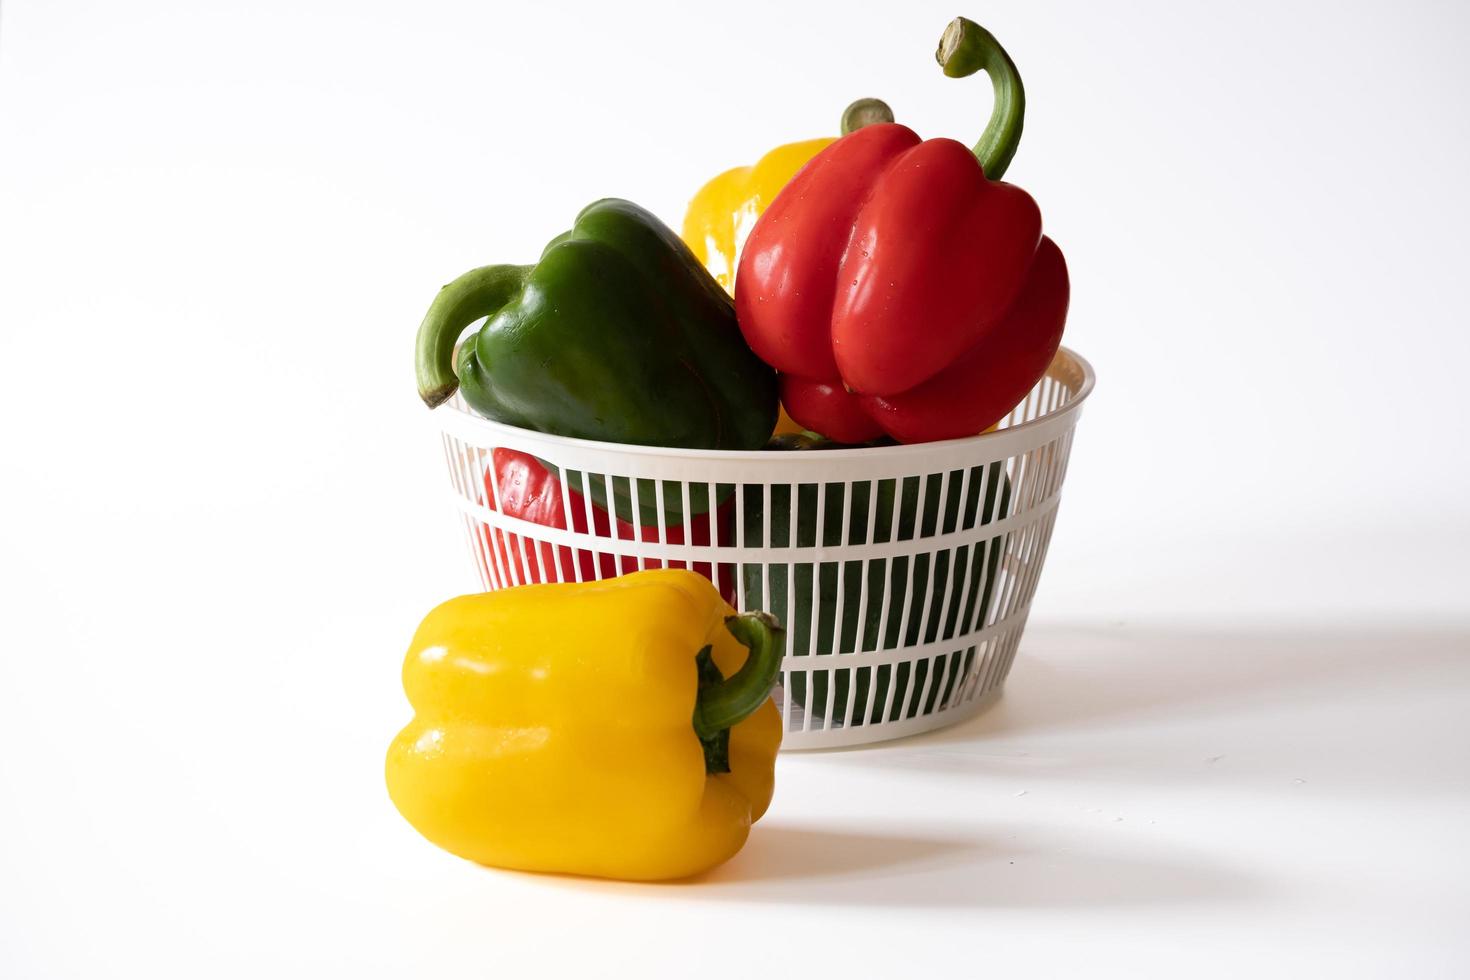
1237,725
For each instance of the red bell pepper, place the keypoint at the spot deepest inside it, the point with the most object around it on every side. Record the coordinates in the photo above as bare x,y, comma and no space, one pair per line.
531,492
897,285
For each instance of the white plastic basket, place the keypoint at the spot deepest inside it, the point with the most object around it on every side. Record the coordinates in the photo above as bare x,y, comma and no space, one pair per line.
926,555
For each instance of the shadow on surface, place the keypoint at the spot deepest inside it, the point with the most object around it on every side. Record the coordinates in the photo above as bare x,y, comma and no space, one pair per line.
809,866
1093,678
778,852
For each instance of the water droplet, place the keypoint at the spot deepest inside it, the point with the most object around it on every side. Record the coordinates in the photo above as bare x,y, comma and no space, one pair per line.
1022,793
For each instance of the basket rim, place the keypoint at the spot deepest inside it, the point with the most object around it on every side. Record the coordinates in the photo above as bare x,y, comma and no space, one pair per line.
463,418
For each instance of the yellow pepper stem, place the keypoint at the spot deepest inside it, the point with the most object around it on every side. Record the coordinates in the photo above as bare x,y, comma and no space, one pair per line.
865,112
723,703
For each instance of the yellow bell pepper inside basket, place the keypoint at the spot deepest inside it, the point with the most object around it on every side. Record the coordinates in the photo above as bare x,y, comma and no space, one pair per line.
724,210
619,728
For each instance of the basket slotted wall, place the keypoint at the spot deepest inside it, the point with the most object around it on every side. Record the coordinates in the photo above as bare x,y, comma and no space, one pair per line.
903,575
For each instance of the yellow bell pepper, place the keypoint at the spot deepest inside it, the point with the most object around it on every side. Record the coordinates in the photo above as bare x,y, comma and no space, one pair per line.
616,728
724,210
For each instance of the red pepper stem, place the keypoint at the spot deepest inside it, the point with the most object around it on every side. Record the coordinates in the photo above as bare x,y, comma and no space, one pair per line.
474,295
865,112
722,705
966,48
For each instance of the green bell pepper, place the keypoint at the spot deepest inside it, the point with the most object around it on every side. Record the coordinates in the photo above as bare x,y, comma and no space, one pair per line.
617,334
969,572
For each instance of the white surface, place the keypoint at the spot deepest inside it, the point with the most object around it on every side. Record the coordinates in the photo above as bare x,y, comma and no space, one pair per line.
219,226
1145,801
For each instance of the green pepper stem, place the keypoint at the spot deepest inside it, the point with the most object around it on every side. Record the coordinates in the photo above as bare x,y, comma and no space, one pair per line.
966,48
476,294
727,703
865,112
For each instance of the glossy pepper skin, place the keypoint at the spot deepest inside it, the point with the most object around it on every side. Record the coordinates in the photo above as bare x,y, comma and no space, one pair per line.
897,285
583,729
723,211
894,690
532,492
616,334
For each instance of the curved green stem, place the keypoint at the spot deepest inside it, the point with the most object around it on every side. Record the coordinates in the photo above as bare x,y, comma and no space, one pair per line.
730,701
723,703
966,48
865,112
476,294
